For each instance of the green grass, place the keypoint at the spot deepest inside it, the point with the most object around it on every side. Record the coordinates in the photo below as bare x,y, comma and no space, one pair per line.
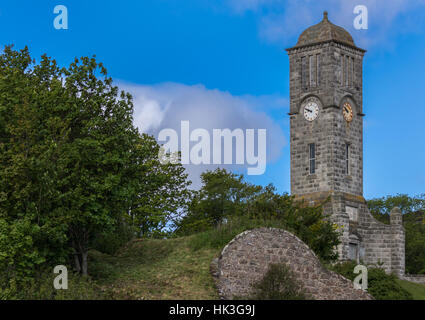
155,269
416,290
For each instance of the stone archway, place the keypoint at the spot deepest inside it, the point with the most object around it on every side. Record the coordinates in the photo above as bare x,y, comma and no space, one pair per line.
246,258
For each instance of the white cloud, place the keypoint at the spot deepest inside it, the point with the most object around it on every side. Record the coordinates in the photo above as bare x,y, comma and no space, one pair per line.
283,21
150,114
165,105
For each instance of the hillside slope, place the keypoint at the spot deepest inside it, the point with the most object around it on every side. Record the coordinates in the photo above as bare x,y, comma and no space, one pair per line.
156,269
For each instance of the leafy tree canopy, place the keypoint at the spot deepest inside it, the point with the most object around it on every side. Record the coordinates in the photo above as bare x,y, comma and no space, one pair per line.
72,164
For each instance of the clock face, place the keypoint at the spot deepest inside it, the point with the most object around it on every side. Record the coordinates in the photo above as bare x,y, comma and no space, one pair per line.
311,111
347,111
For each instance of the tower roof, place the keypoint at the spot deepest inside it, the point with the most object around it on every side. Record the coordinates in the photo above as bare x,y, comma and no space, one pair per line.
325,31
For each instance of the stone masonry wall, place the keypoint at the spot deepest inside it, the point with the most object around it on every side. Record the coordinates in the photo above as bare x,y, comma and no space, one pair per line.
414,278
247,257
383,243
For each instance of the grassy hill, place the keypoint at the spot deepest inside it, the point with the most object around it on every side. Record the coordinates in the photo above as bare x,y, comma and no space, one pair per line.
156,269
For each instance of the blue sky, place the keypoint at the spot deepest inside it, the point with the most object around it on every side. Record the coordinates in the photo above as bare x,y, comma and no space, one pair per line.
222,64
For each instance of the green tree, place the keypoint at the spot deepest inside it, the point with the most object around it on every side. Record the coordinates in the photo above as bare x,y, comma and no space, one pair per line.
381,207
32,231
97,172
162,190
415,242
223,195
72,164
66,145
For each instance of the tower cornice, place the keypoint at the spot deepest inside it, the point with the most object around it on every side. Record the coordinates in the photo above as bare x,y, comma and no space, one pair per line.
311,46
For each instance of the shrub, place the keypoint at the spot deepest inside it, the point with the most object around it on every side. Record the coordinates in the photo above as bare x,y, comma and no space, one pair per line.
109,243
40,287
382,286
385,287
18,258
278,283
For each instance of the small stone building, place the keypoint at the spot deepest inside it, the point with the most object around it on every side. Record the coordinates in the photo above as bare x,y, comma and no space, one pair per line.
326,124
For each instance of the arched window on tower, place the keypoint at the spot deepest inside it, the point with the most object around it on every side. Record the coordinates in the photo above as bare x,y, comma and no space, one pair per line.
318,70
348,72
304,72
312,68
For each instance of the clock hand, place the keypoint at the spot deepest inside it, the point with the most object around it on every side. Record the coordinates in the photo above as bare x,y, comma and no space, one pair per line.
309,110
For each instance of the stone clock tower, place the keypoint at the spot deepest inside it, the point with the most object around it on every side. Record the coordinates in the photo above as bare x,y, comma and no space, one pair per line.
326,116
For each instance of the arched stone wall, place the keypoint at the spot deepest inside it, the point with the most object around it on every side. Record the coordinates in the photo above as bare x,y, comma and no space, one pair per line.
246,259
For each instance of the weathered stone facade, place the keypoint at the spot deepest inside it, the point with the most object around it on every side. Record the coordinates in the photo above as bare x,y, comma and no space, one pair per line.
326,67
247,257
420,278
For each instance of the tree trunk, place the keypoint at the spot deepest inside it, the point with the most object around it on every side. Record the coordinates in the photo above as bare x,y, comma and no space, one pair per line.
77,262
84,262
